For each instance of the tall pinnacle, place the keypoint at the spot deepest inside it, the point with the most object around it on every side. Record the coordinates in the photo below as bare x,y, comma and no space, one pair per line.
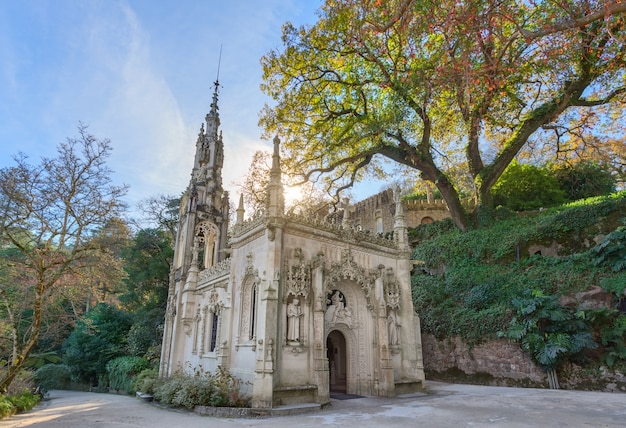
275,197
213,117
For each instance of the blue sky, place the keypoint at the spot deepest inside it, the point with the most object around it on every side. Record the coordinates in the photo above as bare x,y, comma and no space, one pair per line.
140,73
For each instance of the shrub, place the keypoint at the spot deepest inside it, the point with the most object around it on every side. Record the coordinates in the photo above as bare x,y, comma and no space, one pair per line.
6,407
147,381
527,187
11,404
584,180
202,389
52,376
122,371
97,339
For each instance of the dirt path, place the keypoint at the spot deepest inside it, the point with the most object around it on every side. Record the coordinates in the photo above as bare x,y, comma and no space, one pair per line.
445,405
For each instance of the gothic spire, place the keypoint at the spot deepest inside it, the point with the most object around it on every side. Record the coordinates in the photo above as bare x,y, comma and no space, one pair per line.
275,197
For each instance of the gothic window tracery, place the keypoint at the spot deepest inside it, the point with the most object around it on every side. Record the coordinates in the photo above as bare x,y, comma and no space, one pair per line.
207,235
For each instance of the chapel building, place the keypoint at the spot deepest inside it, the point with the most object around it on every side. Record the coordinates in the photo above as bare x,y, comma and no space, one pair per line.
296,307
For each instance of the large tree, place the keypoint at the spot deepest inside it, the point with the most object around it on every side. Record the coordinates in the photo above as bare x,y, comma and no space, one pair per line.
48,214
433,85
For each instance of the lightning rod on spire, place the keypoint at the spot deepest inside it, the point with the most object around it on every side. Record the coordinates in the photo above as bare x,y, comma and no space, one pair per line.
219,63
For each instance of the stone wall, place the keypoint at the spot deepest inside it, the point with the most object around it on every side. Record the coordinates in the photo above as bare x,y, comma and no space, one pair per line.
365,212
500,362
497,362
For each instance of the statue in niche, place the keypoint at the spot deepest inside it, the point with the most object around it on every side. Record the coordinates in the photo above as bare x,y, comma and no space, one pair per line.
337,311
294,313
392,327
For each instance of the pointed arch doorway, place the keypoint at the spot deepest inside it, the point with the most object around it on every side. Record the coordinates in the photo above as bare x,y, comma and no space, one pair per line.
337,354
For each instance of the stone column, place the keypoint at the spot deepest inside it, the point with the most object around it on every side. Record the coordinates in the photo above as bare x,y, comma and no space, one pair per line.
320,361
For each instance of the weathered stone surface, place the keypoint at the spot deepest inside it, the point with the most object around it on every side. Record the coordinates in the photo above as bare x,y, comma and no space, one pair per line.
595,298
293,306
498,358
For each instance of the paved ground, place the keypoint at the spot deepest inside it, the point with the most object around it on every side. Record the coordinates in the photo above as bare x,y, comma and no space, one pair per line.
444,405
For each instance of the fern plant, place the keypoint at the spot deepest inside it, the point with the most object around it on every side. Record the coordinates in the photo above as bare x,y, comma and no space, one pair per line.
551,333
611,251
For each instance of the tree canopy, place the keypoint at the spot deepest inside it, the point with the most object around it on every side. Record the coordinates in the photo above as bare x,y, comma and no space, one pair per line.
49,215
454,90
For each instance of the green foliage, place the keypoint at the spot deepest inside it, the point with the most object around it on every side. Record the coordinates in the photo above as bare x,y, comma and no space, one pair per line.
203,389
406,83
122,372
50,212
427,231
38,360
611,326
12,404
525,187
551,333
578,218
584,180
147,381
422,196
53,376
466,303
467,282
611,252
145,334
97,339
6,407
147,263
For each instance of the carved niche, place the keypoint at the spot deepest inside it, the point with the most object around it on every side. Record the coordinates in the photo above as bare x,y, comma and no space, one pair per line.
296,297
249,293
391,287
298,277
347,268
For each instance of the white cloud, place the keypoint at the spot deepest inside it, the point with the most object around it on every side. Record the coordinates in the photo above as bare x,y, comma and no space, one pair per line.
140,74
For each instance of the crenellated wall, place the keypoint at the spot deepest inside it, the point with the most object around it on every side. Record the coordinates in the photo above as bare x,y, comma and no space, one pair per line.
381,205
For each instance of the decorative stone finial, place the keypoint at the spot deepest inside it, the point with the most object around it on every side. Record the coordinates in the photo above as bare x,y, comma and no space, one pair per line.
240,210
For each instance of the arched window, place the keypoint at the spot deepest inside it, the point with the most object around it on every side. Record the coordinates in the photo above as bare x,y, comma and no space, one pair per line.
214,324
249,300
253,305
207,234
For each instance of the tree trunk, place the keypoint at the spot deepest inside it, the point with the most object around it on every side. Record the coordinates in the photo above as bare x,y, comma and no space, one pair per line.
450,195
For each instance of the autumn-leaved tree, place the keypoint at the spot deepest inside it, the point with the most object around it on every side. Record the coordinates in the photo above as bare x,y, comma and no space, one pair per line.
48,213
450,89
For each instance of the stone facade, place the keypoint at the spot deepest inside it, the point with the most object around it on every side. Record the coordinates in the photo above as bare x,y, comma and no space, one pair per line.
295,307
376,214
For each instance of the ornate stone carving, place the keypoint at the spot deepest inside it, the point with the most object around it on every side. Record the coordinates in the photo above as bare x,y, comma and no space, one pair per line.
392,290
215,271
337,310
298,278
348,269
294,315
392,298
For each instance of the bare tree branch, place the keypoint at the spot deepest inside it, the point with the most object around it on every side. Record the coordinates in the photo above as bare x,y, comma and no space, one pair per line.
609,9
